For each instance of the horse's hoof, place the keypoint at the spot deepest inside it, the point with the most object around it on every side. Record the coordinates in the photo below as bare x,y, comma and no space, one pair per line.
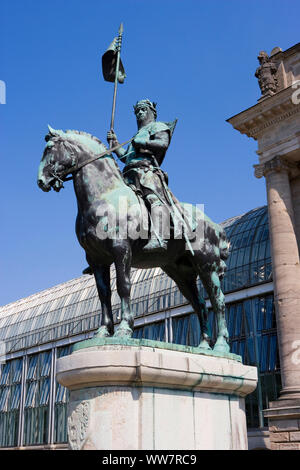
102,332
204,345
124,331
221,346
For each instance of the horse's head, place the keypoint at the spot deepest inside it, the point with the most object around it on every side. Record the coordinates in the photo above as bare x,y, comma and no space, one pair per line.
63,152
57,162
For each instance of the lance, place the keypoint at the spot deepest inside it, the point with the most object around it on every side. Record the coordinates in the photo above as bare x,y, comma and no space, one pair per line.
113,70
116,78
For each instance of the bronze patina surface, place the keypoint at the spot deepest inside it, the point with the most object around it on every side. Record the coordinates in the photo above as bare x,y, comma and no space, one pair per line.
114,233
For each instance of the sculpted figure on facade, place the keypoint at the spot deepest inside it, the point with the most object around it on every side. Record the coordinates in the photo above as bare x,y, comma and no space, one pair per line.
266,74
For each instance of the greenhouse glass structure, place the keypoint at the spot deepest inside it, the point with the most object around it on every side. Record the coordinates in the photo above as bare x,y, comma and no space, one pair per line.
37,330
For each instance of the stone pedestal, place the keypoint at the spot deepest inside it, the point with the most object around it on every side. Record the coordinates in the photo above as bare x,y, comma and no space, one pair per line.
142,394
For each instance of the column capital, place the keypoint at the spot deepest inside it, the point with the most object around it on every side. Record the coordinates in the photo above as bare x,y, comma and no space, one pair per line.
277,163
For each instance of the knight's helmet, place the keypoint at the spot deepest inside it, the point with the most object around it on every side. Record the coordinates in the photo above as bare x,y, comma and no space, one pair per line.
152,106
146,103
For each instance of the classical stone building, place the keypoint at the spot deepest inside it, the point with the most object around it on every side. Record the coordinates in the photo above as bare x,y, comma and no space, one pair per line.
275,123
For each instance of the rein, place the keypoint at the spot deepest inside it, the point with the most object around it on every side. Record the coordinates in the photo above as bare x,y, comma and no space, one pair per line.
78,167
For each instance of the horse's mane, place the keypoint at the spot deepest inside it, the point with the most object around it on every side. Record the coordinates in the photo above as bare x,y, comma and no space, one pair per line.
64,138
71,132
86,134
77,138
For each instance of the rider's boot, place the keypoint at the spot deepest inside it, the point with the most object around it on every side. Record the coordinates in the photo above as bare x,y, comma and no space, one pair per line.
160,229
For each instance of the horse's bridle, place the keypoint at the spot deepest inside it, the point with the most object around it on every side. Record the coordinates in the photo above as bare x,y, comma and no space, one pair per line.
62,177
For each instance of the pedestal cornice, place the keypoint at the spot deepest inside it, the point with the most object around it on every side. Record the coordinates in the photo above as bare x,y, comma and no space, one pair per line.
150,367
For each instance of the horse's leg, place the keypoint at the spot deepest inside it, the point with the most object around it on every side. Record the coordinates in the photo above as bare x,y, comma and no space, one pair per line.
186,282
122,253
102,278
212,285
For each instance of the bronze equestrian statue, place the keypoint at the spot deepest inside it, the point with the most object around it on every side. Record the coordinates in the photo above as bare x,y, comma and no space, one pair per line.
112,224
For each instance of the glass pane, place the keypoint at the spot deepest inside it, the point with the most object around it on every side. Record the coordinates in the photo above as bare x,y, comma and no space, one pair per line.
269,312
259,313
32,367
17,374
238,321
180,330
61,394
45,364
250,355
31,394
231,320
4,394
263,343
15,397
4,380
60,419
44,392
273,353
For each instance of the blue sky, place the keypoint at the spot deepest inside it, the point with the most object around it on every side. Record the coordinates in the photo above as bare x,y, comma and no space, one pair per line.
195,58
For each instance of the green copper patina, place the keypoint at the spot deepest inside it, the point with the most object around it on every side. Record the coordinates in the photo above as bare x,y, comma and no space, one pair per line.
132,218
112,224
95,342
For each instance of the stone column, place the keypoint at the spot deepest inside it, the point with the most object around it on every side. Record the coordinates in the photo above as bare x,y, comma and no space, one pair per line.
295,190
286,271
284,414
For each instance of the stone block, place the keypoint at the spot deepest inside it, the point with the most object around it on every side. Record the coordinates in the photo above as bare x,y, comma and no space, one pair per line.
295,436
286,446
279,437
282,425
238,424
173,410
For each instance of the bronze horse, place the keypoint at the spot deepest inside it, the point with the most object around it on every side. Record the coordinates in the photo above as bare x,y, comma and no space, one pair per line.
99,188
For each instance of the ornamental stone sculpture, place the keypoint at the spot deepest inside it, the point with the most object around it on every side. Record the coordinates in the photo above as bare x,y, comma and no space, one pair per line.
266,74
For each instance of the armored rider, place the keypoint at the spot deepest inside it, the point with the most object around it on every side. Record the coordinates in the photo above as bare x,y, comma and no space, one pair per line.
142,172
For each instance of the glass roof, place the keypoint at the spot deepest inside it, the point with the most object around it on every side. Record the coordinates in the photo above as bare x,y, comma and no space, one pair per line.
73,307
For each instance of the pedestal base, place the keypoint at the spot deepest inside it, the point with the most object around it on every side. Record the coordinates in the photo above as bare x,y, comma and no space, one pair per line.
151,395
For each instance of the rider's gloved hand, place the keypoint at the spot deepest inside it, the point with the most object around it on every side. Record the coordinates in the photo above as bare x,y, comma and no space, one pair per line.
112,138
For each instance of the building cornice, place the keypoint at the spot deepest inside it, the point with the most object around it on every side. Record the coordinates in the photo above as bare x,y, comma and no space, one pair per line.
253,121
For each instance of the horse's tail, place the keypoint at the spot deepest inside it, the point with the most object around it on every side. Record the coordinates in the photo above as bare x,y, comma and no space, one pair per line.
224,246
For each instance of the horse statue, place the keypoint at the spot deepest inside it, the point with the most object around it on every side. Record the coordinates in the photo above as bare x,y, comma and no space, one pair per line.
99,188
